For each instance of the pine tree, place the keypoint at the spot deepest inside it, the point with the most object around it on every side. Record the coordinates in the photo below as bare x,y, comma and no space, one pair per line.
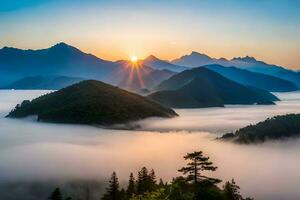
152,180
143,183
198,164
161,183
112,192
231,191
131,186
56,195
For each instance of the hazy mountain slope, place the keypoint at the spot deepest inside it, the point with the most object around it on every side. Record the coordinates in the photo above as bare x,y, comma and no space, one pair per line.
258,80
208,88
91,102
68,61
254,65
196,59
156,63
59,60
43,83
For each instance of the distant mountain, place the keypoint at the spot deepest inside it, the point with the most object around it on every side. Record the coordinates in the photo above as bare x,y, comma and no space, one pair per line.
156,63
59,60
254,65
43,83
65,60
196,59
91,102
258,80
278,127
201,87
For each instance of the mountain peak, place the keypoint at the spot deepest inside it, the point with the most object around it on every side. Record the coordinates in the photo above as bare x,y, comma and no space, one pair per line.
195,53
151,58
62,45
245,59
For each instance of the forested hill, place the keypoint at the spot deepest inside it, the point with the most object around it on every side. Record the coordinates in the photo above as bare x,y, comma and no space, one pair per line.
91,102
278,127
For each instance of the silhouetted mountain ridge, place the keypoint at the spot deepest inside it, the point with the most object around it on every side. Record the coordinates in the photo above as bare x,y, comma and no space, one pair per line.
91,102
65,60
201,87
258,80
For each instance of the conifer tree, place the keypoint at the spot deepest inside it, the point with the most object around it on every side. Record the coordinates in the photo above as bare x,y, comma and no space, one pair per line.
143,181
152,180
56,195
231,191
131,186
112,192
161,183
198,163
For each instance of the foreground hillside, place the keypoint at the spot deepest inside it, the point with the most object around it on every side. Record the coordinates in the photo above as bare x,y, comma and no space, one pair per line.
91,102
282,126
201,87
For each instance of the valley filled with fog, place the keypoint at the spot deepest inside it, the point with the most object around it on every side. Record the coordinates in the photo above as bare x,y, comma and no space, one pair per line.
36,151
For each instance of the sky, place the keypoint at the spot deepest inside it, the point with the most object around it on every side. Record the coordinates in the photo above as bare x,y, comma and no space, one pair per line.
266,29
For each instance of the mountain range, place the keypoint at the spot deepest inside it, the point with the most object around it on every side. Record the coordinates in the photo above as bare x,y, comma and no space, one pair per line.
201,87
65,60
157,63
62,60
254,79
196,59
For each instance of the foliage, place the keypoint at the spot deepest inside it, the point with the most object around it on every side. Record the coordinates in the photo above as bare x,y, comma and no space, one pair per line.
56,195
155,195
198,163
131,189
277,127
194,186
231,191
112,192
91,102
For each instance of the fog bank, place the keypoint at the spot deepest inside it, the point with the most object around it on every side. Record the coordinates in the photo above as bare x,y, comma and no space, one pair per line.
34,151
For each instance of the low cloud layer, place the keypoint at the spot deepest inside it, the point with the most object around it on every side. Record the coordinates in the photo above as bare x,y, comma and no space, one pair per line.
32,151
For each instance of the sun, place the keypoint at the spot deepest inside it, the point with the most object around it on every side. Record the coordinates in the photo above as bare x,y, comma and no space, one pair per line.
134,59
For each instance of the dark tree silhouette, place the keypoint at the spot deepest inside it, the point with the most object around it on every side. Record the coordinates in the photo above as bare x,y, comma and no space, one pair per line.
112,192
143,181
56,195
198,163
131,186
161,183
152,180
231,191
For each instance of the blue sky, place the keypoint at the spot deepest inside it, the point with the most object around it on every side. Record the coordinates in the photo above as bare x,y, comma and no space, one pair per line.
266,29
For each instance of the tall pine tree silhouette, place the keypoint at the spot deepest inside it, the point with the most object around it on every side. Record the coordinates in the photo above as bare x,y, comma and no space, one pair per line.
143,181
56,195
196,165
131,186
152,180
112,192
